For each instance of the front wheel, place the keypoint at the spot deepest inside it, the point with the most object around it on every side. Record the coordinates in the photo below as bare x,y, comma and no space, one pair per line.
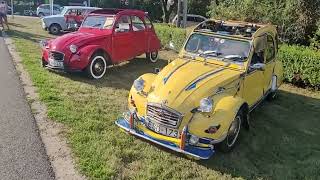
55,29
153,56
232,135
97,67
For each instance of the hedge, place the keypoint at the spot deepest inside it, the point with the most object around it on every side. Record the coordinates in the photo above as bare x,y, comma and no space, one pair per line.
301,65
167,33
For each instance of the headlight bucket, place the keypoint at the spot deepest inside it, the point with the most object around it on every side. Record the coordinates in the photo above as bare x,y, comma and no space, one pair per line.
206,105
73,48
139,84
43,43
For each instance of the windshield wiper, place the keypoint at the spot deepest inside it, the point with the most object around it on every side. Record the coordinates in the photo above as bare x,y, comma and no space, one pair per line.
209,53
96,25
234,57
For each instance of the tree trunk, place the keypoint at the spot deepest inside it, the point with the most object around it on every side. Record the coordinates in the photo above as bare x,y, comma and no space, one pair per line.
167,11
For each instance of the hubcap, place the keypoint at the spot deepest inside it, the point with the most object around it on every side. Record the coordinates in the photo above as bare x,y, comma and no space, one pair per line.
98,67
234,131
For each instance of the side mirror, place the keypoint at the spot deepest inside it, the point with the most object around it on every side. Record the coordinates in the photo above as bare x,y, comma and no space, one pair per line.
258,66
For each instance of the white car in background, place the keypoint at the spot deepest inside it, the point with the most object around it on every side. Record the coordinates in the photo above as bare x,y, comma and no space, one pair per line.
69,19
192,19
44,10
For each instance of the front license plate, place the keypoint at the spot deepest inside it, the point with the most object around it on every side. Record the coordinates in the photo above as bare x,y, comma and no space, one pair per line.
55,63
162,129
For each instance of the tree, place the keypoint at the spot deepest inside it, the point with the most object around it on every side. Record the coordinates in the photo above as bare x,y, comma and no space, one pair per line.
167,8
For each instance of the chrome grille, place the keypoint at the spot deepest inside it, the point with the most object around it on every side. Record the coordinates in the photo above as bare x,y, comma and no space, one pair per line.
56,56
163,115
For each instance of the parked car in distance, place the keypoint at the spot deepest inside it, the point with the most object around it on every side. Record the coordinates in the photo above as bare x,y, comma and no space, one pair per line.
106,36
44,10
69,19
192,19
201,100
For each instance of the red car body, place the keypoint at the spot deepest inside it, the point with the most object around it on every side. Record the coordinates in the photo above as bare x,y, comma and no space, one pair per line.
129,35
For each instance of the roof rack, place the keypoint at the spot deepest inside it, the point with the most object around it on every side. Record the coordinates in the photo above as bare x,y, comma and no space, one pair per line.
229,28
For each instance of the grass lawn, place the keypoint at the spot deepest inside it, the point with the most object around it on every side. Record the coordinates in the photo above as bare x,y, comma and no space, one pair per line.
284,142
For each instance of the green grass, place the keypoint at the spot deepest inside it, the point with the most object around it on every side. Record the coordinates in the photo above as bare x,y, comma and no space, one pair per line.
284,142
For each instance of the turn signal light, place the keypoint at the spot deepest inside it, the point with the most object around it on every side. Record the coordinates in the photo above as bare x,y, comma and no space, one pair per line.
212,129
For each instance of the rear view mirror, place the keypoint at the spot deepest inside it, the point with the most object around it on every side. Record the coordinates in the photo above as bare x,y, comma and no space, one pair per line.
258,66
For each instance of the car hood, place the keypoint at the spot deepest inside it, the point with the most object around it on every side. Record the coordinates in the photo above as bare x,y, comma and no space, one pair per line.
77,38
183,83
52,17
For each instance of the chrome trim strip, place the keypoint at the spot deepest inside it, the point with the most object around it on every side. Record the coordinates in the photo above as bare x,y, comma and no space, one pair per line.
165,80
132,131
202,77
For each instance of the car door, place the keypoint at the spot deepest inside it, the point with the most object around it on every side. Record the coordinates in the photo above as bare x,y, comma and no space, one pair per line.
270,60
122,40
254,78
139,35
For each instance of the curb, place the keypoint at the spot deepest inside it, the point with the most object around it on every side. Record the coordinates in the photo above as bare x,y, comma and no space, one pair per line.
56,145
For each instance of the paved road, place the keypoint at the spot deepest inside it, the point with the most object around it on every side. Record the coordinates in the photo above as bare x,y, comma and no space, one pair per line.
22,153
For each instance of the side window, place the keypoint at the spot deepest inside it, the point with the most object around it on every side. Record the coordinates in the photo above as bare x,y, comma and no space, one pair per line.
123,24
270,49
137,24
148,22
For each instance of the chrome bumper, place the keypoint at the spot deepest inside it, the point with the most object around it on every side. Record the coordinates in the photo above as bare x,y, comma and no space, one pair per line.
197,152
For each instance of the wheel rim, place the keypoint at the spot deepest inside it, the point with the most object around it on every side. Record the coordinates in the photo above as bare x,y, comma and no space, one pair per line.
98,67
154,56
233,131
54,29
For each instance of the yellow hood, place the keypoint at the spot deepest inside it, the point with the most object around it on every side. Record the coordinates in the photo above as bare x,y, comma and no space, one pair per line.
183,83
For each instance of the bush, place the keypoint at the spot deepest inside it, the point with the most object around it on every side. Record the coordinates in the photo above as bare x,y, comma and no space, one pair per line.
167,33
301,65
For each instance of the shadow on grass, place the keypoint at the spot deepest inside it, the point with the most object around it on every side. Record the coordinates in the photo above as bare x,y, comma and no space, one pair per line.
120,76
16,25
283,142
27,36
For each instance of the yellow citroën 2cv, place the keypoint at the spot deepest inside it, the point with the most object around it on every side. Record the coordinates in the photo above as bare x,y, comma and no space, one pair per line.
199,102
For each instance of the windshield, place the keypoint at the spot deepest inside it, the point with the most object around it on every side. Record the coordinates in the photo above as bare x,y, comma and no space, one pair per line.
104,22
219,47
63,10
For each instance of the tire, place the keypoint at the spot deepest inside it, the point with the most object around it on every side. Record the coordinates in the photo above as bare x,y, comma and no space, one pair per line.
97,67
43,63
41,15
233,134
55,29
152,57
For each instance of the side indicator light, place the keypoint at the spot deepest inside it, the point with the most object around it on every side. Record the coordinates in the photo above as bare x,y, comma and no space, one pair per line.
183,138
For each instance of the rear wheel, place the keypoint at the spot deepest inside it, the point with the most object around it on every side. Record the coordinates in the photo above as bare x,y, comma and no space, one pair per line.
273,94
232,135
97,67
153,56
55,29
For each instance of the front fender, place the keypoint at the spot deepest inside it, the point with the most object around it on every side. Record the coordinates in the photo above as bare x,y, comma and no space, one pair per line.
223,114
140,98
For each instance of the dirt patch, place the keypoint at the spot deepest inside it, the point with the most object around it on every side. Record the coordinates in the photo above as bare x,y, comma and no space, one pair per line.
51,132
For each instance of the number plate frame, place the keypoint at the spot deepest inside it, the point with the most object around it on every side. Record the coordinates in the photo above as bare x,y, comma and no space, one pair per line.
160,129
55,63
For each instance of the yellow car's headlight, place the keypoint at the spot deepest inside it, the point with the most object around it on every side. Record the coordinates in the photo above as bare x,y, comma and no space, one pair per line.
139,84
206,105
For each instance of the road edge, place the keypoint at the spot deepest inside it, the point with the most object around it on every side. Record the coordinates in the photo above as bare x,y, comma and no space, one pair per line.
51,133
